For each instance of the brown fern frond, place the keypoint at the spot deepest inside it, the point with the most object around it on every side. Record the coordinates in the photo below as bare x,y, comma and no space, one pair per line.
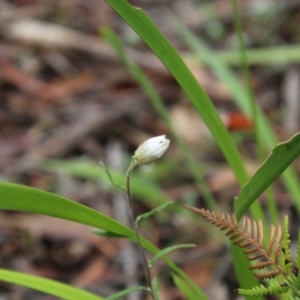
272,240
260,232
249,236
260,265
277,249
238,241
266,275
250,250
274,244
246,244
260,254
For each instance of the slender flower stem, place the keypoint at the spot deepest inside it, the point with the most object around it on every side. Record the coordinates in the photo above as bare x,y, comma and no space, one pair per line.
136,229
148,152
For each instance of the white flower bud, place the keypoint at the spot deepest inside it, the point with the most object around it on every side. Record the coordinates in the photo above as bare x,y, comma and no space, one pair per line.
151,150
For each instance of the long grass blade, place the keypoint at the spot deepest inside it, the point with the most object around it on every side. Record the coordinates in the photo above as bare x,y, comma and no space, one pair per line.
48,286
157,102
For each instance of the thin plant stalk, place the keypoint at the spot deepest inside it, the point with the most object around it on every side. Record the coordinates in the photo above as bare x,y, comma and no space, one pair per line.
137,231
254,112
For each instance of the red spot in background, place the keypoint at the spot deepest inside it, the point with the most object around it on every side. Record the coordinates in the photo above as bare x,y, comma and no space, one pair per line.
237,121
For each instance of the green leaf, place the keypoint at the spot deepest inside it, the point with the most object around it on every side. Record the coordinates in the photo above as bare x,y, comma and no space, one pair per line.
155,288
126,292
108,234
21,198
274,55
272,288
153,211
110,177
168,250
26,199
241,268
280,158
48,286
185,289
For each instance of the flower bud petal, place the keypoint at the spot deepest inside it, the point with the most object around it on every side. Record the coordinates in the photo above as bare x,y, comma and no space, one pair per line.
151,150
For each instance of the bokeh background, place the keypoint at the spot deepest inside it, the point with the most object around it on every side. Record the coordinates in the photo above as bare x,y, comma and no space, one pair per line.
67,102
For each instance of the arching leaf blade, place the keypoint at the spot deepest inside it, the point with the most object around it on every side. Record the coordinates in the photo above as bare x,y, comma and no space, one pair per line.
279,159
48,286
26,199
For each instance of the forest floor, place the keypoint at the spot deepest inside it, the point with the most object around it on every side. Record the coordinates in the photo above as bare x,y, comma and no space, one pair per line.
67,102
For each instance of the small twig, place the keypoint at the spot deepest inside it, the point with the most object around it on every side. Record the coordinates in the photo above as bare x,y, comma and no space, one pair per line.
136,229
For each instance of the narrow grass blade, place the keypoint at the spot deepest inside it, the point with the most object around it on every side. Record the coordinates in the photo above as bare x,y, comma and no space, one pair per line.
109,234
157,102
222,71
110,177
153,211
247,78
185,289
168,250
275,55
271,205
155,288
125,292
47,286
148,31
